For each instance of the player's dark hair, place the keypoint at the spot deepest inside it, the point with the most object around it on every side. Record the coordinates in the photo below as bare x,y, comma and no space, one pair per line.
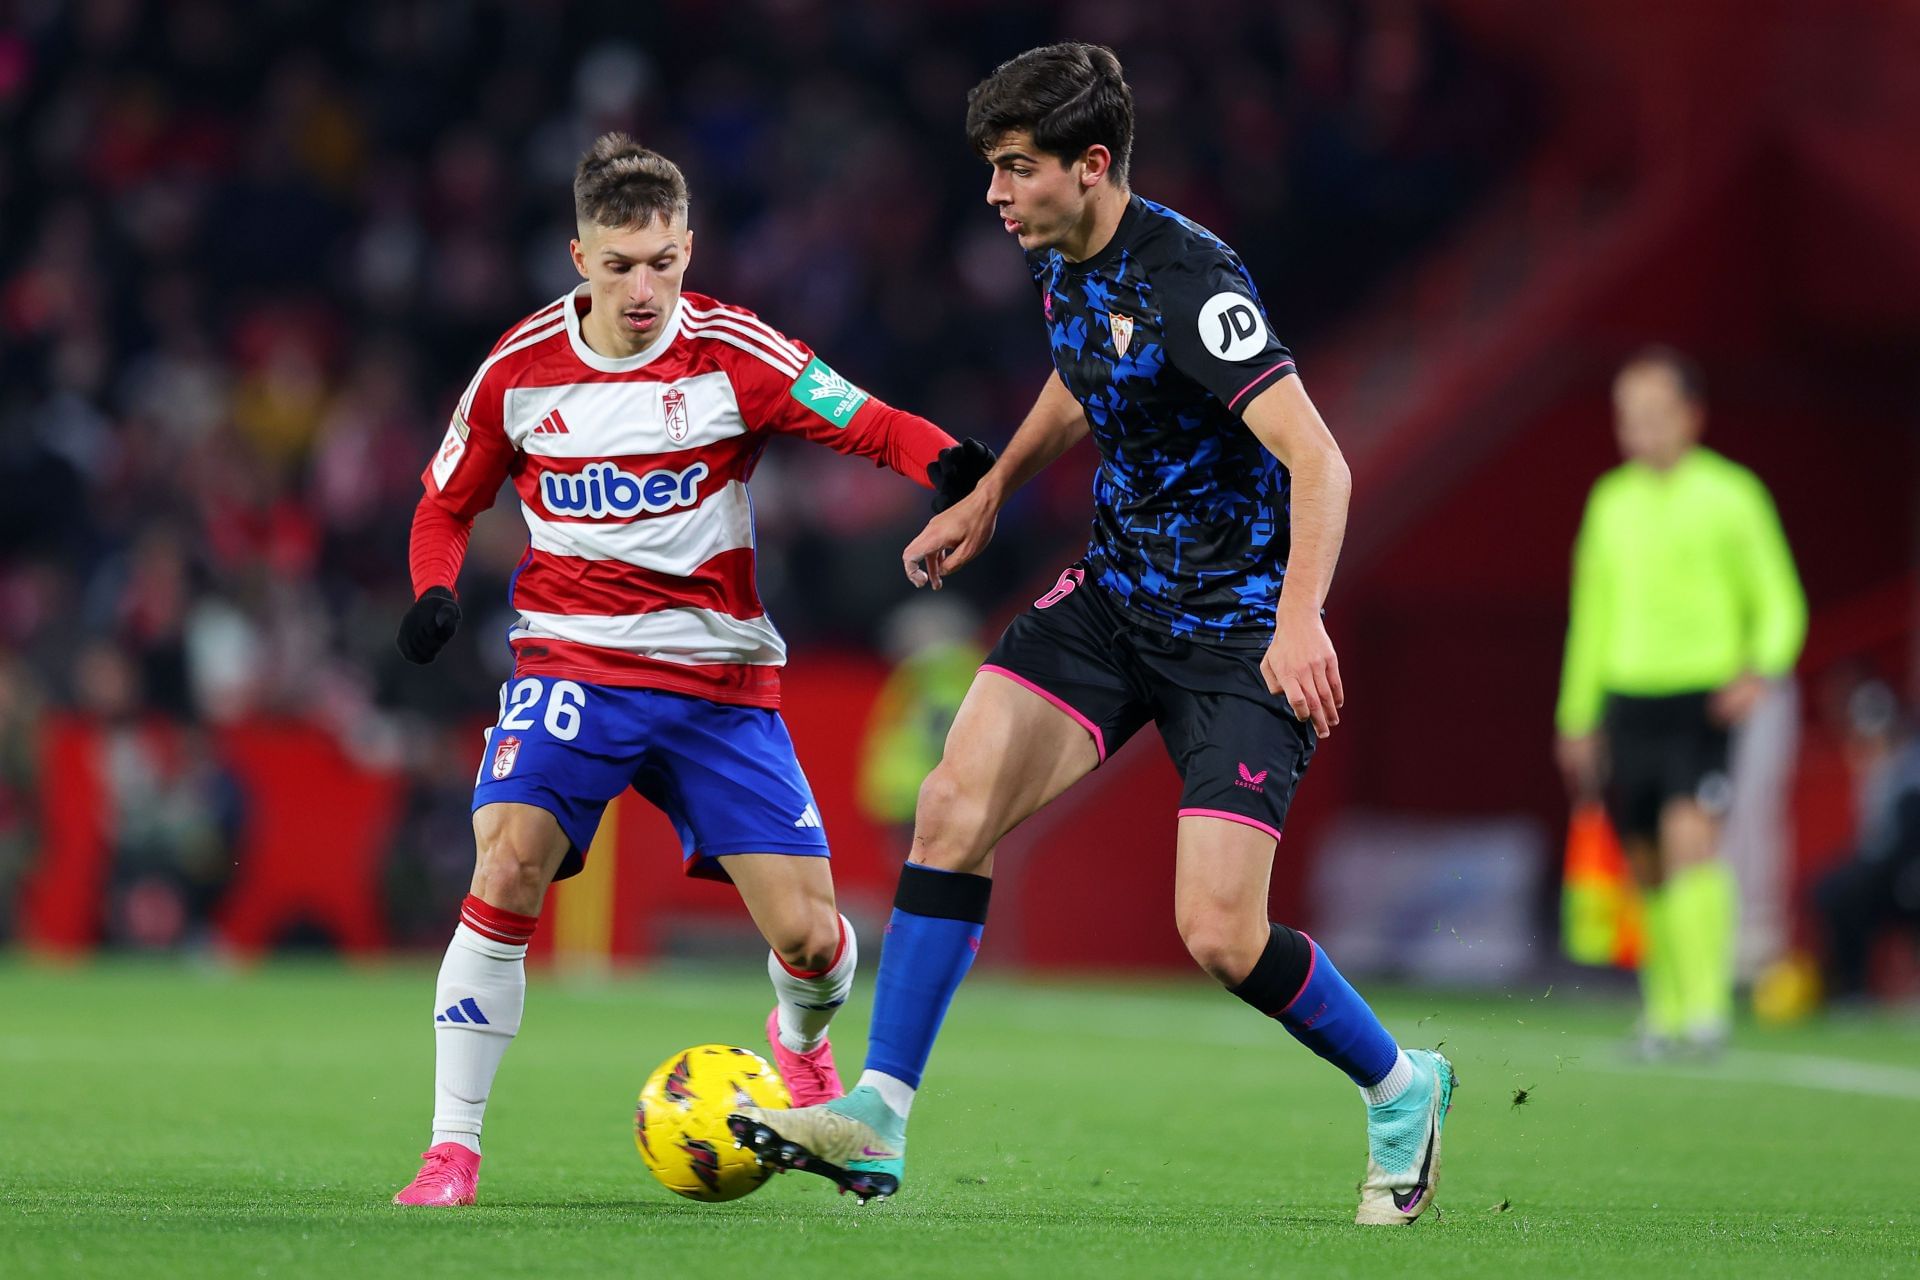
622,184
1067,96
1685,369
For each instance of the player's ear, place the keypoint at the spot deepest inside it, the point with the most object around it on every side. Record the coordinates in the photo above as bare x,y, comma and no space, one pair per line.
686,250
1095,163
579,257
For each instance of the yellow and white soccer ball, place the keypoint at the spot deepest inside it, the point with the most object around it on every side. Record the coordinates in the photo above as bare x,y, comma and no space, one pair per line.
680,1122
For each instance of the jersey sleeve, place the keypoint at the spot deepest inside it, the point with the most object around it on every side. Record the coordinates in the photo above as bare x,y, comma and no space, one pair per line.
462,479
436,547
787,389
466,470
1777,606
1582,679
1216,329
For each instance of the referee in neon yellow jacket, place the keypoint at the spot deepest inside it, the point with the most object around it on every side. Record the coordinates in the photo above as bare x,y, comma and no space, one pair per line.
1685,604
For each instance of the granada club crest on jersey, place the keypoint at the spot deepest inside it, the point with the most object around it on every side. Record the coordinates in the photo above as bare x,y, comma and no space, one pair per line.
504,756
1122,327
673,404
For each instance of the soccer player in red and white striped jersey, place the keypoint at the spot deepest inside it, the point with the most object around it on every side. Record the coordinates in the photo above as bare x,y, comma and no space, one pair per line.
629,416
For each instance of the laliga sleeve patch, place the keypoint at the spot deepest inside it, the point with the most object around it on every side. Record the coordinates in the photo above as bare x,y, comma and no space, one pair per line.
452,448
1231,327
827,393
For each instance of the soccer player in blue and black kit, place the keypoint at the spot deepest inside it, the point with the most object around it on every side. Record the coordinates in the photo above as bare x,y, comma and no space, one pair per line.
1219,509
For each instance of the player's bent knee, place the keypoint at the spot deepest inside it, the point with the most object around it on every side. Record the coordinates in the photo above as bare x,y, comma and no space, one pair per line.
505,881
940,796
1221,946
811,949
516,855
948,829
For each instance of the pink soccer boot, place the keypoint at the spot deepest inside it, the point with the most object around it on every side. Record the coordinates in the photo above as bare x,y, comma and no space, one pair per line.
448,1175
811,1077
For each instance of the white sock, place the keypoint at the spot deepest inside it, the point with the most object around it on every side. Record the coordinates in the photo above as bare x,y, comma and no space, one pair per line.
1392,1085
895,1092
491,977
807,1004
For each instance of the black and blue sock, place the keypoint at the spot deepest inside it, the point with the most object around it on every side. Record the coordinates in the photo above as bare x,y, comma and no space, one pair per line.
1295,984
932,937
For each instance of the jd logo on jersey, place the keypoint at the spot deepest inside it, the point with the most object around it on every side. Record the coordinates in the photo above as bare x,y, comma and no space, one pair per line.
827,393
1231,327
603,489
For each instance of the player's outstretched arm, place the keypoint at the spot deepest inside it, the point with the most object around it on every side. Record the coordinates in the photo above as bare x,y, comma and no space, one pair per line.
1301,663
460,481
435,550
1055,424
782,386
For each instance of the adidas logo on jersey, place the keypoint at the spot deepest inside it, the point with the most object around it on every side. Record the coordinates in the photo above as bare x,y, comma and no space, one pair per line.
603,489
552,425
809,817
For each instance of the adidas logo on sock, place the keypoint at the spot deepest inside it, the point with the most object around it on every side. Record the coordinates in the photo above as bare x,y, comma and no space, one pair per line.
809,817
465,1011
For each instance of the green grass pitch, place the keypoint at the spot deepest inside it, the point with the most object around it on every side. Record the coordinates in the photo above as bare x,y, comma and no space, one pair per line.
170,1120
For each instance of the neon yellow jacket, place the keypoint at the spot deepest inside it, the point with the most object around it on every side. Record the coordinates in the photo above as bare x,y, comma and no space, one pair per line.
1681,581
907,729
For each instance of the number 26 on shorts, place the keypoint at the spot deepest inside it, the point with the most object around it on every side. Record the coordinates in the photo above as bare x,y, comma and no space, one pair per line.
565,700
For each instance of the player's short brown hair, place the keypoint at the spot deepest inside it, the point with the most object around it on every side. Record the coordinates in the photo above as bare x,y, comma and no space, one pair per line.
1067,96
1686,371
622,184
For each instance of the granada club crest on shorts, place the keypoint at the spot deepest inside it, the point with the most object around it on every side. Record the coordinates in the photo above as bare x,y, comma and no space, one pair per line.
673,403
504,756
1122,327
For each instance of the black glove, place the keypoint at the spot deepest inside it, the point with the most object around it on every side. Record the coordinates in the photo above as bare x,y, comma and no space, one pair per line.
957,470
429,624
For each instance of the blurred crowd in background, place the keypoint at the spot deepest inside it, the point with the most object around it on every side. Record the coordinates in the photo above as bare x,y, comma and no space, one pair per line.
251,253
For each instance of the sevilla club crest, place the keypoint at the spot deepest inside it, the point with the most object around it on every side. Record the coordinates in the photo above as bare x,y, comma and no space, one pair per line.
1122,327
504,755
673,403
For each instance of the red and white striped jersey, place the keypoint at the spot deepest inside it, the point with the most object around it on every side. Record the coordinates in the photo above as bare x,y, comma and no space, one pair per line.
632,475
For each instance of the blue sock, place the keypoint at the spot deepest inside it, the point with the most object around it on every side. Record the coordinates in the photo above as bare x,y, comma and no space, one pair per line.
932,937
1295,984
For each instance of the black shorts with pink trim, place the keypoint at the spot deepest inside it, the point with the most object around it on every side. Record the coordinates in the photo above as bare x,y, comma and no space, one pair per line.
1239,749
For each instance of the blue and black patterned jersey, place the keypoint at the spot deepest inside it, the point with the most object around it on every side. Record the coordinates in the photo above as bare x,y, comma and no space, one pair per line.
1162,338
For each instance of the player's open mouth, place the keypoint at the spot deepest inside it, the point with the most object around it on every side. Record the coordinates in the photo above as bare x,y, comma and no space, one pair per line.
1013,225
641,321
